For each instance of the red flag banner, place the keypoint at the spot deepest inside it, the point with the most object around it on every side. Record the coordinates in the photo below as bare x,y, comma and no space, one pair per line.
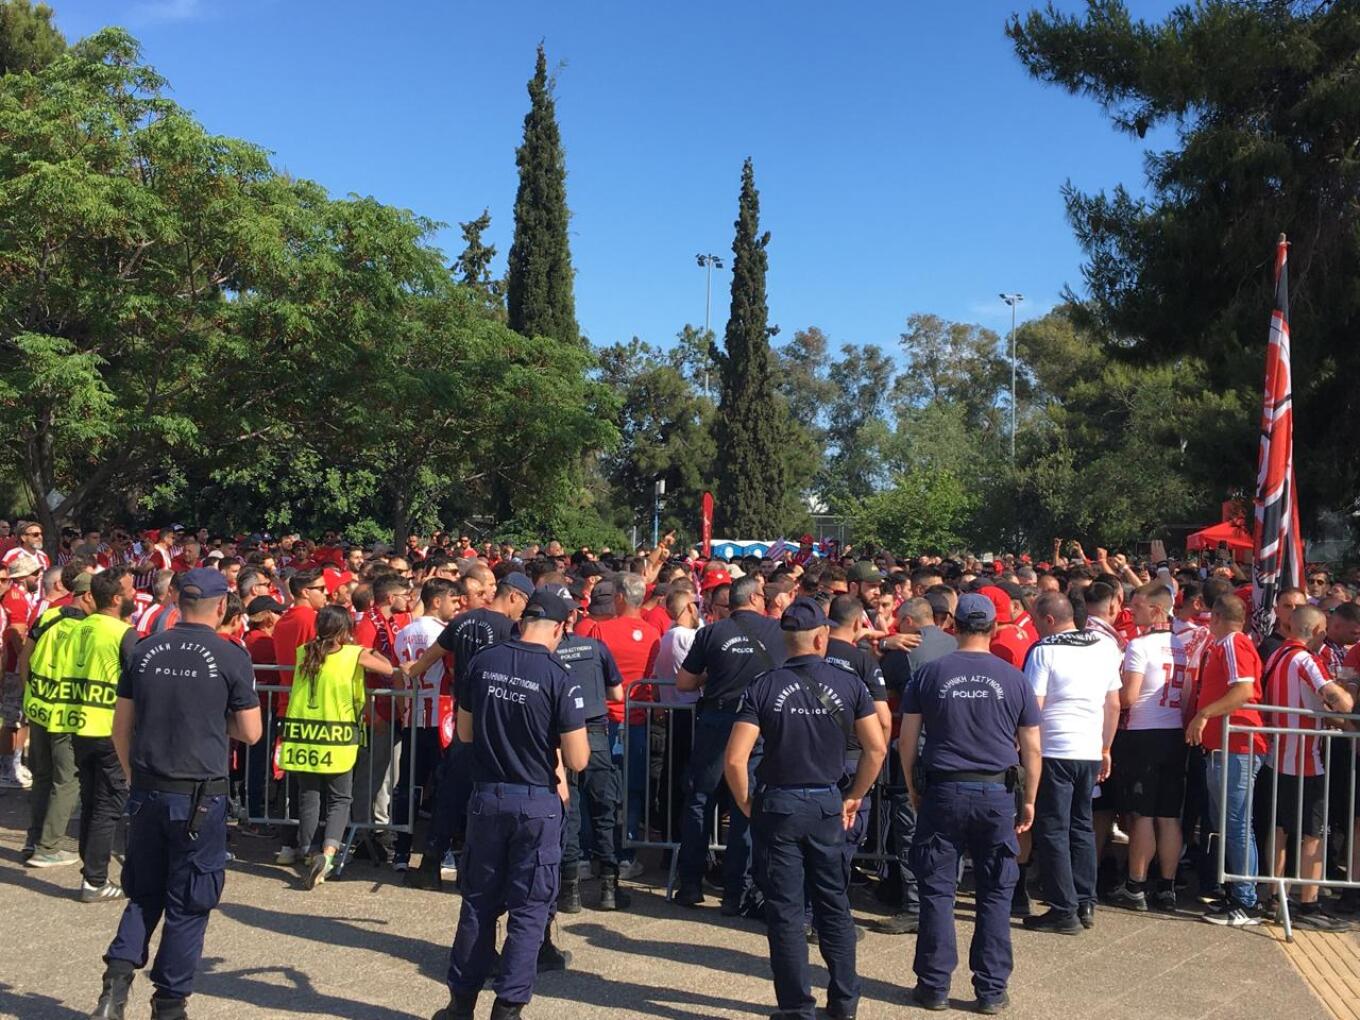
706,525
1278,545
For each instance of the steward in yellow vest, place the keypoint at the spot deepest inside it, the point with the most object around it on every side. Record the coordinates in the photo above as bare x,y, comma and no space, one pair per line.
323,730
92,660
51,756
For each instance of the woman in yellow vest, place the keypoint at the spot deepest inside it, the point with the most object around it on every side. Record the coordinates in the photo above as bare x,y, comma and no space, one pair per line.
323,729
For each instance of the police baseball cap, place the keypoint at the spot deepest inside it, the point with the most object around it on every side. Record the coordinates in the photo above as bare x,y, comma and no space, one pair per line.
975,610
203,583
264,604
520,582
803,614
547,605
562,592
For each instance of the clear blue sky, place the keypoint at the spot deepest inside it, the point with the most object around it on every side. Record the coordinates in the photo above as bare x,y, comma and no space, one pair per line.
905,160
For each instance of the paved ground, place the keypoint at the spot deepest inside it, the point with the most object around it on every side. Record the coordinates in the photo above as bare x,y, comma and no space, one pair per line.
368,949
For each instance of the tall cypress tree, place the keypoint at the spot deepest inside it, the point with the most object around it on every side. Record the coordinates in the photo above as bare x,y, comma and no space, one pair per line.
539,282
752,473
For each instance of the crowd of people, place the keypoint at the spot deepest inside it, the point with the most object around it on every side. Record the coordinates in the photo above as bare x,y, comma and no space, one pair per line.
1114,763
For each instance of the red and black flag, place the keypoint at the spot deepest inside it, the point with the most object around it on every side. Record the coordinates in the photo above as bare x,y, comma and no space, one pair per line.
1278,544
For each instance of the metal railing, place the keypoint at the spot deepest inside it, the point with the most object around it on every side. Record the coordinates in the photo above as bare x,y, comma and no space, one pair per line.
1290,770
380,755
669,736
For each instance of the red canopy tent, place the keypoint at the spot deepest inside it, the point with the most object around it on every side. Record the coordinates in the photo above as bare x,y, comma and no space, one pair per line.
1237,537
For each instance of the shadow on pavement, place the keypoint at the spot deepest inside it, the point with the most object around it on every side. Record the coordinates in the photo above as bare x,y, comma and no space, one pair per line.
296,995
28,1004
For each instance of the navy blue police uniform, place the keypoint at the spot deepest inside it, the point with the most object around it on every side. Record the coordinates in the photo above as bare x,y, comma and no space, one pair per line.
521,700
182,684
796,815
464,636
858,662
594,670
972,705
732,652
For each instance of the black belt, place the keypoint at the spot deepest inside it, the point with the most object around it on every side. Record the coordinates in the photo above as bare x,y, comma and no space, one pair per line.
600,725
721,705
188,787
967,777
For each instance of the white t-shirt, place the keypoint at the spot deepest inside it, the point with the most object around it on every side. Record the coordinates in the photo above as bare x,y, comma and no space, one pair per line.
1073,672
670,654
1162,658
412,640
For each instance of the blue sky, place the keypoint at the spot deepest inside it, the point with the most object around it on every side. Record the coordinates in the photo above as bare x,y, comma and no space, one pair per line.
906,162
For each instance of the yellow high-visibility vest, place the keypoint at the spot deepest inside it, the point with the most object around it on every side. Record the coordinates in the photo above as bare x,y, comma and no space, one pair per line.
90,665
324,725
54,627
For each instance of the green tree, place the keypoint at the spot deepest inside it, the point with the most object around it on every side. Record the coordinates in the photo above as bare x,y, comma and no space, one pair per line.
921,512
753,481
473,265
28,39
1265,105
539,282
665,432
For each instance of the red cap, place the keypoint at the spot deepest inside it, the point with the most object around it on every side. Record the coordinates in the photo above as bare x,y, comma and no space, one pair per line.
714,578
806,540
153,535
1000,599
333,579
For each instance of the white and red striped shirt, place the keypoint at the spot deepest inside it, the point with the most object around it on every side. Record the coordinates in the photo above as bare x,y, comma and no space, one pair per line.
412,641
1294,679
19,550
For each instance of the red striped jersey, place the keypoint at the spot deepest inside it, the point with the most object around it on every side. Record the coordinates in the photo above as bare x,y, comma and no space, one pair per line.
1294,679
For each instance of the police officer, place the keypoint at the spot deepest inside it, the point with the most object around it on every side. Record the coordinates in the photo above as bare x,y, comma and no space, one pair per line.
806,712
464,636
518,710
186,692
91,663
593,668
723,660
51,752
975,708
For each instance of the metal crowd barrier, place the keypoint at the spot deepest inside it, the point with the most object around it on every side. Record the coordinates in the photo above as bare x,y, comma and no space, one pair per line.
668,735
380,759
1339,766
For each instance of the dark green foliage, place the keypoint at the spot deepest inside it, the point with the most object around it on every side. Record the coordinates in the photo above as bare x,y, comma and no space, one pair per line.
539,283
1265,103
753,480
473,265
28,39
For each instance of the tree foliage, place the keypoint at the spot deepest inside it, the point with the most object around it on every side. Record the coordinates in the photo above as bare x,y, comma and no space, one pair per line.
1265,105
922,511
754,495
539,284
193,330
28,39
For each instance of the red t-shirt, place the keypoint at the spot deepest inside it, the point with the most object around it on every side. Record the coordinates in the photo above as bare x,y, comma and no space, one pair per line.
632,642
1227,661
588,626
658,617
1011,644
16,607
261,648
378,633
295,628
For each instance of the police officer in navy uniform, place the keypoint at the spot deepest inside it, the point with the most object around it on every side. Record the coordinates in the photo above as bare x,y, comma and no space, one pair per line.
975,709
806,712
593,668
186,691
725,657
522,713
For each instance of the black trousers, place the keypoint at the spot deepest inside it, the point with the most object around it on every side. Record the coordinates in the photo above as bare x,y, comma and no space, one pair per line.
103,794
602,788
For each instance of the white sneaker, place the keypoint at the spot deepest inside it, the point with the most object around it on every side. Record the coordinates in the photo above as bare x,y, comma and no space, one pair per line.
631,869
286,855
1118,835
25,776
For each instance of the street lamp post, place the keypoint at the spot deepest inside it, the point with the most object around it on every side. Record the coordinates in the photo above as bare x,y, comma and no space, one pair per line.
1012,300
708,262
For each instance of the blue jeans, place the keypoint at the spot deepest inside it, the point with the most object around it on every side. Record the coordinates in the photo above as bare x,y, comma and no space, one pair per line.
978,818
638,759
1064,837
1238,841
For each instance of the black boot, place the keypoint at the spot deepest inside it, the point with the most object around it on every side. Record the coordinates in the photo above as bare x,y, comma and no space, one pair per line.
113,998
460,1007
549,958
426,876
503,1010
569,899
611,897
166,1008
